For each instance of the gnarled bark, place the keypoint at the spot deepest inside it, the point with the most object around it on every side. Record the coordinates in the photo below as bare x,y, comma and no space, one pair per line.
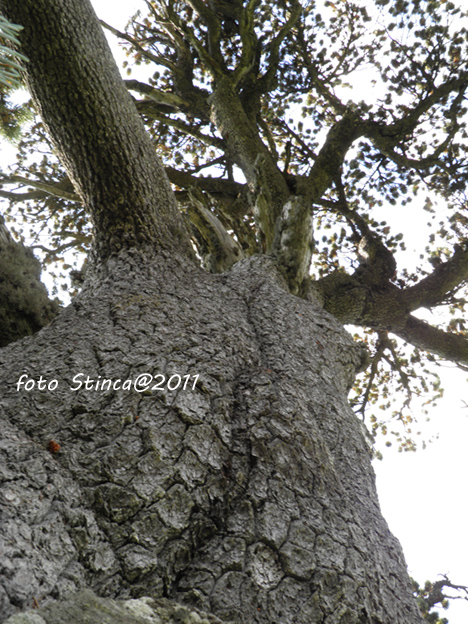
250,495
246,489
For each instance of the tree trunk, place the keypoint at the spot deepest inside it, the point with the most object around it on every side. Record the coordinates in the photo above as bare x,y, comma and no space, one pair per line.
249,494
93,123
245,490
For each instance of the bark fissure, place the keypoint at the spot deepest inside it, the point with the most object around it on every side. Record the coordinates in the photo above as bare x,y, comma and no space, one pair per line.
245,495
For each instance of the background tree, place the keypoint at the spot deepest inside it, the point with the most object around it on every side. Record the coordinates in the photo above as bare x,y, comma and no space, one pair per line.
250,492
433,594
24,304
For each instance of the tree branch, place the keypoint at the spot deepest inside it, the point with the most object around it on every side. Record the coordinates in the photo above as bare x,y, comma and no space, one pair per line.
221,189
213,59
330,157
387,137
266,81
249,42
445,278
152,110
215,186
166,98
352,301
453,347
50,189
20,197
383,343
159,60
221,250
409,122
387,146
214,28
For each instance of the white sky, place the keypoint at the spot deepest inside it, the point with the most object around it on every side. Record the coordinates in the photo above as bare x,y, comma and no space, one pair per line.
423,495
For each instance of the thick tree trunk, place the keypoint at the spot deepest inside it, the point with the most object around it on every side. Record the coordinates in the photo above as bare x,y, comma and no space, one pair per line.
249,494
247,490
96,129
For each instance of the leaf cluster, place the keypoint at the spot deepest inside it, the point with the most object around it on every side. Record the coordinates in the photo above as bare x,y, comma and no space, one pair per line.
10,68
432,594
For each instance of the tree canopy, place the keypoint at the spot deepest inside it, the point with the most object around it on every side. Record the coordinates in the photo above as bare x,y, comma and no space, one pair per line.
269,150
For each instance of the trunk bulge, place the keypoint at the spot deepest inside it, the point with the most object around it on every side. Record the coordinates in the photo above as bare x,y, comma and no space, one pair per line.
238,480
249,494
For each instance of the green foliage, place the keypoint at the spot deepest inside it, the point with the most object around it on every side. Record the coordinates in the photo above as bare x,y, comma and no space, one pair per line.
10,69
432,595
395,392
56,223
25,305
12,116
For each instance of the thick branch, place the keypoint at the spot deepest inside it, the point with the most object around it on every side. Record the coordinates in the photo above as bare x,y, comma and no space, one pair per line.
211,58
226,190
249,42
385,308
213,23
221,250
215,186
93,121
20,197
445,278
330,157
422,335
249,152
293,241
387,146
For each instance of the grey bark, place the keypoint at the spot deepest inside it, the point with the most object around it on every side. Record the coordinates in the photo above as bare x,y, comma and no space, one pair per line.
251,497
94,124
85,606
